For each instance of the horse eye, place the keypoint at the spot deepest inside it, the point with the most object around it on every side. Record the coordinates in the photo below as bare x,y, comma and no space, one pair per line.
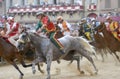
23,36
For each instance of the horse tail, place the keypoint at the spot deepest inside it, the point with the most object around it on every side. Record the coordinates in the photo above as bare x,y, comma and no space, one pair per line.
86,45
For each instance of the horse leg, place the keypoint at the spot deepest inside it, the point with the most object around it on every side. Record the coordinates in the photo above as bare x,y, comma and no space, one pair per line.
86,55
117,56
102,55
24,65
36,61
77,58
49,58
58,61
15,65
78,65
113,55
71,61
39,68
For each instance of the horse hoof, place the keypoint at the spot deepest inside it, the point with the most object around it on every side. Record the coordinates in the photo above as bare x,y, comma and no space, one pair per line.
42,72
82,72
58,71
34,71
96,73
41,64
21,77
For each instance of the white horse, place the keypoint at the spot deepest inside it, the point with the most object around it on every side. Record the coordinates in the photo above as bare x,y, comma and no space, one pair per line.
47,52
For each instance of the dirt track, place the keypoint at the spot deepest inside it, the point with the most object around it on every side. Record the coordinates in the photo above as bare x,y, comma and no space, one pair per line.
107,70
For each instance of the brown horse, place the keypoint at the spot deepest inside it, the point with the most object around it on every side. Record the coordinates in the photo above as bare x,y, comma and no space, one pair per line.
112,43
10,54
99,42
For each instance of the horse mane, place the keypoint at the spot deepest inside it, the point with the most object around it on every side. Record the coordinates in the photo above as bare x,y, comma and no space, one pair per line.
36,35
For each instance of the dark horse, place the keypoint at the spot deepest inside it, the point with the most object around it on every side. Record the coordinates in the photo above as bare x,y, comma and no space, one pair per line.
112,43
10,54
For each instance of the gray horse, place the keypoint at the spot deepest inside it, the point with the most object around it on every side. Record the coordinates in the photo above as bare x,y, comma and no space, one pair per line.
47,52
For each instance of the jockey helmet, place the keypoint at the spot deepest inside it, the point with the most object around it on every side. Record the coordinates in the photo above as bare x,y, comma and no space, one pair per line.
39,13
59,18
11,19
93,19
83,19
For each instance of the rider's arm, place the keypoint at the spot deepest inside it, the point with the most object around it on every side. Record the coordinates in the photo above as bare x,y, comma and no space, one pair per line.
40,29
39,25
116,26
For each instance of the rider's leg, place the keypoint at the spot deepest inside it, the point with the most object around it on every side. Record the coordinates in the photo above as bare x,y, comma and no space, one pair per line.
12,39
88,35
56,42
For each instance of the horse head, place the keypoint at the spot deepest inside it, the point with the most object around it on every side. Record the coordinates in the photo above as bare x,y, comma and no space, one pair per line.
100,27
23,41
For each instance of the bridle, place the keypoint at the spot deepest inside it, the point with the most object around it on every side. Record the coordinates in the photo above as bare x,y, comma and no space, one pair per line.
103,26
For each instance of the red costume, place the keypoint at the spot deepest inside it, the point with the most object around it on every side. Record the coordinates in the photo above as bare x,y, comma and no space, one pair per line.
15,27
49,25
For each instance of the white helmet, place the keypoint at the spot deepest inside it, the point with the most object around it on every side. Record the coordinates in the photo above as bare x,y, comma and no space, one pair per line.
83,19
93,19
10,19
59,17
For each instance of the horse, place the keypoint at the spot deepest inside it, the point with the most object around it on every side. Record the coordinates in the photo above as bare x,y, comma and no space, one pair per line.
48,52
10,53
112,43
97,39
99,42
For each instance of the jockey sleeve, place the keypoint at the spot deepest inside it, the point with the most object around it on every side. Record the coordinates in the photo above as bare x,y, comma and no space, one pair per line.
39,25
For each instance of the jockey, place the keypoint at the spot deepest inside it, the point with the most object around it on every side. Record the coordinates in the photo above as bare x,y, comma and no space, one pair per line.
86,28
3,26
93,22
12,30
64,25
113,27
46,26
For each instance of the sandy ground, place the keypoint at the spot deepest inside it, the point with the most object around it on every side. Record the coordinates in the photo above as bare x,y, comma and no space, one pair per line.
107,70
